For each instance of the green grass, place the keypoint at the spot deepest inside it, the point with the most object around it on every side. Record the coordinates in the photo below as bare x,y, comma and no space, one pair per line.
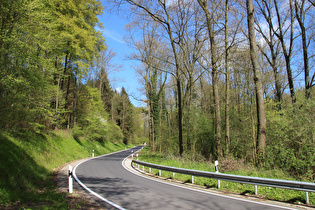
291,196
27,162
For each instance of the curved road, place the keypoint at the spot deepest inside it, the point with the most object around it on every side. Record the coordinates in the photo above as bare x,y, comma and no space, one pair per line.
106,177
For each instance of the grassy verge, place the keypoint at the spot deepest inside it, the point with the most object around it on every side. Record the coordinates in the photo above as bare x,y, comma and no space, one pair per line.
27,162
271,193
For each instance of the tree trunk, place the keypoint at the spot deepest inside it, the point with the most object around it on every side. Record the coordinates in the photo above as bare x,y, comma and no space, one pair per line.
74,101
261,118
227,83
180,118
286,53
300,16
204,5
273,45
253,131
152,126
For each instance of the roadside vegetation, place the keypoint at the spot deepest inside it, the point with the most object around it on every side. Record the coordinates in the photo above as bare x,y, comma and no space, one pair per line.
211,91
56,101
215,93
28,162
228,165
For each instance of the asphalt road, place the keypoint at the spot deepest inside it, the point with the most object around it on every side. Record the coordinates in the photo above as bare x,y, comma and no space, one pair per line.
106,177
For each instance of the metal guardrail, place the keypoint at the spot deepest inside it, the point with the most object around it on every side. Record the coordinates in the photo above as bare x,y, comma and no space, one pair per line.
293,185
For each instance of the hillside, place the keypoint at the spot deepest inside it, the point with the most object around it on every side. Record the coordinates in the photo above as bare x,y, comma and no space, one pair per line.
27,163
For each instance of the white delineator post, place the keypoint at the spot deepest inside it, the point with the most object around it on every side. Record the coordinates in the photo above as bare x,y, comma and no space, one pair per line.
216,164
93,153
70,179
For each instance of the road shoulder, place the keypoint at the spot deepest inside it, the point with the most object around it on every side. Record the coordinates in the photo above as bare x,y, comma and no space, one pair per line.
80,198
139,171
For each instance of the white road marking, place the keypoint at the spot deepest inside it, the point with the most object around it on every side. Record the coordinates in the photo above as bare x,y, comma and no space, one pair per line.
225,196
91,191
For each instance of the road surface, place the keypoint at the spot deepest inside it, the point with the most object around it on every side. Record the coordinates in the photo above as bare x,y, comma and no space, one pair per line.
108,179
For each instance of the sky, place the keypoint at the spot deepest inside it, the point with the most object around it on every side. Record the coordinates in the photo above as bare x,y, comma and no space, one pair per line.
114,32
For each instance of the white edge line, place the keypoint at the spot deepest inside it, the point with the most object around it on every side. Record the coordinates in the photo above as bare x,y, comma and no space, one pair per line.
225,196
91,191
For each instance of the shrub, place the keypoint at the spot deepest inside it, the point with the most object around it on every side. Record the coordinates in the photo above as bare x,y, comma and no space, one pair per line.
229,164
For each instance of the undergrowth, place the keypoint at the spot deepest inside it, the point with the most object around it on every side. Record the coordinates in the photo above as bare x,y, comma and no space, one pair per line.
228,165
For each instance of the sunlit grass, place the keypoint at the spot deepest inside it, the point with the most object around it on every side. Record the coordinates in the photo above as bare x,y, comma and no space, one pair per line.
27,163
271,193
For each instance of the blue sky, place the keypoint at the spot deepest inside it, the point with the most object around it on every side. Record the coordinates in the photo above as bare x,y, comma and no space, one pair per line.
114,32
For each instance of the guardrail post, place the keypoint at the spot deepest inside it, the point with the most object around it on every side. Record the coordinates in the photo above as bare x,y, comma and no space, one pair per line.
137,156
70,179
192,179
216,165
294,185
142,168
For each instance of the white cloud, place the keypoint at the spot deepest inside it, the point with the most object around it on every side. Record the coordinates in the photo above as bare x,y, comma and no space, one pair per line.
113,35
118,90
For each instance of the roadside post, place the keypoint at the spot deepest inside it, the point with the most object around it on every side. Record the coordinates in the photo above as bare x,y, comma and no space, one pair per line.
93,153
216,165
70,179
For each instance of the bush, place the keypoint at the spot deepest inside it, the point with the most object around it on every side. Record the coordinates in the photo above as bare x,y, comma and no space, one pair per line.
77,132
229,164
291,145
93,123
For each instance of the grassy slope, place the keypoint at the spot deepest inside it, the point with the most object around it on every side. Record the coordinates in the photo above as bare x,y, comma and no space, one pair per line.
27,163
278,194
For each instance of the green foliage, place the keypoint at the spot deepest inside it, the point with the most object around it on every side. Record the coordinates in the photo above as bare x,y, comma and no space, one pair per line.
291,144
25,75
123,113
227,165
204,134
93,123
34,35
77,132
27,162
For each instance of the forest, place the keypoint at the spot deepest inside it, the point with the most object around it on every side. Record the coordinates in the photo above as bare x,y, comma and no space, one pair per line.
54,72
229,78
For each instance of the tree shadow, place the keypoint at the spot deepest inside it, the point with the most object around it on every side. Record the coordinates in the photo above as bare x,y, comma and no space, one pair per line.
77,139
246,192
297,200
22,180
210,186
